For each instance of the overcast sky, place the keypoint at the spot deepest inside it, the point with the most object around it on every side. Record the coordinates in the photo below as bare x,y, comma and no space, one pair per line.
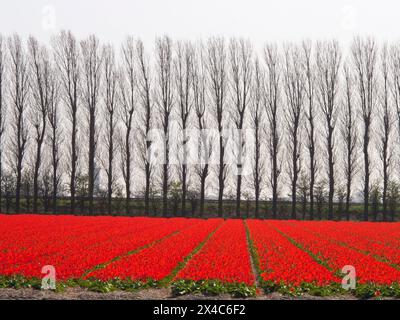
259,20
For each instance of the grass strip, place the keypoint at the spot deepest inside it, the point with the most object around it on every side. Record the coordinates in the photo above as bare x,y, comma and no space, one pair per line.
255,259
129,253
206,287
346,245
310,288
298,245
169,278
212,288
363,291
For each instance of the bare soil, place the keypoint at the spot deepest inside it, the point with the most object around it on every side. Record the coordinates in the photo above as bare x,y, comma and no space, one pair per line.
145,294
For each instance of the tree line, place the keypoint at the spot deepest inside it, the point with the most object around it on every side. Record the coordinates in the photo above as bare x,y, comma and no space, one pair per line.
76,117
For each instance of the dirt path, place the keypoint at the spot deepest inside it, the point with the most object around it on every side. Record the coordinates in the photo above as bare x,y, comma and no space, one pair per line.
158,294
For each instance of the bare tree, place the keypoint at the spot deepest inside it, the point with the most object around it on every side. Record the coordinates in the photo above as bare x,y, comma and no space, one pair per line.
3,110
273,106
128,89
218,87
19,90
92,70
364,57
295,94
289,96
393,187
165,104
199,84
67,60
54,136
349,135
41,93
386,119
303,189
145,90
110,101
328,64
311,114
241,70
183,69
257,119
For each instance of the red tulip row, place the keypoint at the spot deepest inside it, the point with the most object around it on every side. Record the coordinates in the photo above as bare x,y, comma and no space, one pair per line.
224,257
283,263
50,239
336,256
39,229
72,258
159,260
289,252
377,239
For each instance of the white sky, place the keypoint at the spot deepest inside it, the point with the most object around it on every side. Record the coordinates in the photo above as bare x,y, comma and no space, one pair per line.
258,20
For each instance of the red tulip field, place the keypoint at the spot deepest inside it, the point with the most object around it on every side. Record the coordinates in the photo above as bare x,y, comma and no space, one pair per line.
240,257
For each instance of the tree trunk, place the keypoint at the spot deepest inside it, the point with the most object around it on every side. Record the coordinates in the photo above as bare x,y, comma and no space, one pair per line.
55,182
92,120
221,175
295,176
238,194
331,175
73,161
36,172
18,185
147,191
202,189
257,203
165,191
184,189
128,170
366,168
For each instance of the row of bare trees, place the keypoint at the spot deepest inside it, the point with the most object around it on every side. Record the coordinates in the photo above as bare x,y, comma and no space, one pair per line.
81,115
